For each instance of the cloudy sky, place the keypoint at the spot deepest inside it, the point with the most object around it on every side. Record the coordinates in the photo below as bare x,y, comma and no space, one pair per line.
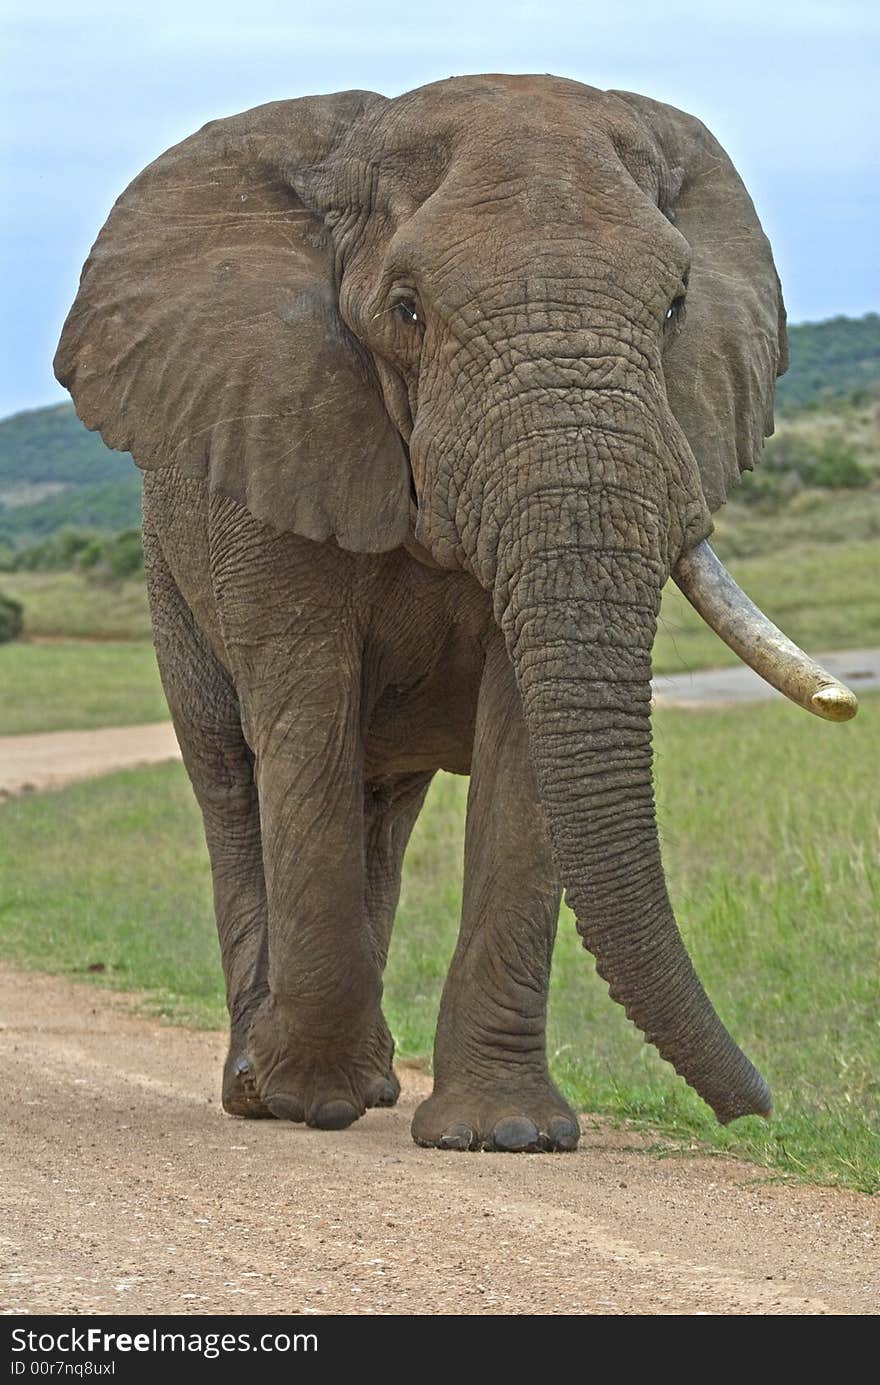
92,91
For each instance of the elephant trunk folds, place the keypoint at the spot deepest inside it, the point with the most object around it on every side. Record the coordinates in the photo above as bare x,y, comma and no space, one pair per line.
579,619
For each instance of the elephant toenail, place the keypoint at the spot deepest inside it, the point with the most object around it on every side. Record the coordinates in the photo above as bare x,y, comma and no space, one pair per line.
515,1133
241,1066
334,1115
388,1092
457,1137
564,1133
285,1108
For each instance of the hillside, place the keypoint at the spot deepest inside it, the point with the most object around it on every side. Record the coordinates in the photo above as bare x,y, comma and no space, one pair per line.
829,360
54,474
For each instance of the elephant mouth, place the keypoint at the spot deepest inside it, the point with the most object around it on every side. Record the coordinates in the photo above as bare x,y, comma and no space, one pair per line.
726,609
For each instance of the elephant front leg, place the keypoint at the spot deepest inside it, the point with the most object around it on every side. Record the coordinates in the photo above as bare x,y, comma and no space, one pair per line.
492,1088
206,715
319,1045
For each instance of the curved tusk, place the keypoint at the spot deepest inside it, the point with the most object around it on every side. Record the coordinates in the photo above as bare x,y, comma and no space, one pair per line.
724,606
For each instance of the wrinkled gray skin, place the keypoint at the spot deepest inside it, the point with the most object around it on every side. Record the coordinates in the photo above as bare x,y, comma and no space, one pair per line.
425,424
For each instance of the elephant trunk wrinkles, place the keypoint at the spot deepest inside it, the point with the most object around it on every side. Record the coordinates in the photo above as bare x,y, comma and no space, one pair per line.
579,613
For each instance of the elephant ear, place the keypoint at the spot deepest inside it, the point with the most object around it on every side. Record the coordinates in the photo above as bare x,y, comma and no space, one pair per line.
721,366
205,335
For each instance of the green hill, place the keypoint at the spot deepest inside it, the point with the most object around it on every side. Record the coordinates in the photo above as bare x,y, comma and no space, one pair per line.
829,360
54,474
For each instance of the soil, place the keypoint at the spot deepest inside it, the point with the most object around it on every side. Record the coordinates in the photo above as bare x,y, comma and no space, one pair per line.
51,759
125,1189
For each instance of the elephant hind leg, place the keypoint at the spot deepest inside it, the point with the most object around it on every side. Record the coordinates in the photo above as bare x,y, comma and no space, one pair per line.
391,806
205,711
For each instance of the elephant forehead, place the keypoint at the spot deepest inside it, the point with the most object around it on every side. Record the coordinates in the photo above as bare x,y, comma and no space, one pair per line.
461,106
555,237
544,146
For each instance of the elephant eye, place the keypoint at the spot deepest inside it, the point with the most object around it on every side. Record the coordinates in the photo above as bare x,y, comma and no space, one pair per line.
675,310
408,312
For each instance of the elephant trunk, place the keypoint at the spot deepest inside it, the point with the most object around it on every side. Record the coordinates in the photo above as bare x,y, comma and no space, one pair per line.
579,619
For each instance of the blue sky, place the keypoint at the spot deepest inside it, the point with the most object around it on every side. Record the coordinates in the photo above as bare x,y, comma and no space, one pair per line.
92,91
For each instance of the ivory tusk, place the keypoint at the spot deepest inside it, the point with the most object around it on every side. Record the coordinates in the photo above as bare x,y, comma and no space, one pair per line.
724,606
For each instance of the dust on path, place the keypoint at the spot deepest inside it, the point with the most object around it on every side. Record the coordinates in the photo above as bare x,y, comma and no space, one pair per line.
125,1189
51,759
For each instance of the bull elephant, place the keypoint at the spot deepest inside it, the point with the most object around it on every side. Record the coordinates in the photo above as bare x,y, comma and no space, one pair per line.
431,396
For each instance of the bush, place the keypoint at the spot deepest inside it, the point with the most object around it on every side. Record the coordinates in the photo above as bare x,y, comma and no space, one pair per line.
830,463
111,556
125,554
792,462
58,551
763,490
838,468
11,619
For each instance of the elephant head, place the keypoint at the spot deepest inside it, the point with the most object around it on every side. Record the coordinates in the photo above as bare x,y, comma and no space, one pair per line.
538,322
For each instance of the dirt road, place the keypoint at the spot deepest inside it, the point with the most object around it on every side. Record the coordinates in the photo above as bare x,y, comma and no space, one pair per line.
50,759
124,1189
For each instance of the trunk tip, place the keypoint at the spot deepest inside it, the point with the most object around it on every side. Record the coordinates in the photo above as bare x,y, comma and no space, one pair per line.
834,703
757,1102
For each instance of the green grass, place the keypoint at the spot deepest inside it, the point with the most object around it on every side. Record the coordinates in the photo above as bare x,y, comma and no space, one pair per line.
70,605
66,686
812,518
113,872
770,839
86,659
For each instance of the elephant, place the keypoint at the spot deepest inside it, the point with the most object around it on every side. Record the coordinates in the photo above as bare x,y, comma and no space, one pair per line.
431,395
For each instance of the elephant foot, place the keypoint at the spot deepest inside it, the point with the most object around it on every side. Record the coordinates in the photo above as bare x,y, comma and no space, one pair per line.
534,1122
239,1088
295,1079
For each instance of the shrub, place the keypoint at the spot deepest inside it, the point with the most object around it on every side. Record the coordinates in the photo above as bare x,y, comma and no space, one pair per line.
125,554
11,619
111,556
57,551
837,467
792,461
767,489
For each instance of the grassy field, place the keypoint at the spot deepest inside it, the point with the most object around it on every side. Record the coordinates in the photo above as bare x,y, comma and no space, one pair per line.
770,838
71,606
86,659
70,686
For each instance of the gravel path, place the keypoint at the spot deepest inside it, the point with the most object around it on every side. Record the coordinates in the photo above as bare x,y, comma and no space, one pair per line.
54,758
126,1190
